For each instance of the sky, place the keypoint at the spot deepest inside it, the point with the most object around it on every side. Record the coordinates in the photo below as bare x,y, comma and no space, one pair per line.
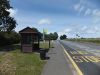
68,17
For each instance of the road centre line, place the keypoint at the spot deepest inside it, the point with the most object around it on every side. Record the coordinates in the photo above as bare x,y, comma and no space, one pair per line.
72,61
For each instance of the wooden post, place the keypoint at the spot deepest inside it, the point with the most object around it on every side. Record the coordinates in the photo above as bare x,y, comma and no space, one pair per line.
49,43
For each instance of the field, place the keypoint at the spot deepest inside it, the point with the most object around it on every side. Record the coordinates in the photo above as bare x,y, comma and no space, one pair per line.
91,40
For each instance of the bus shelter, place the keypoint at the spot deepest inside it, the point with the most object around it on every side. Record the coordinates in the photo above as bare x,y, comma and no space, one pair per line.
29,39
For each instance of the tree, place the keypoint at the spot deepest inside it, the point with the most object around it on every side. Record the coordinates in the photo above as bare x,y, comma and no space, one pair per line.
40,34
9,38
7,23
55,36
62,37
77,35
51,36
35,29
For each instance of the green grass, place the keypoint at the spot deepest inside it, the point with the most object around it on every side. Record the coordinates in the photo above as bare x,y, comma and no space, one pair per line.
28,63
17,63
45,45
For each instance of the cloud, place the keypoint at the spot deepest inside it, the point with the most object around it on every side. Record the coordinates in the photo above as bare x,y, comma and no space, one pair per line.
60,33
93,30
84,28
44,21
13,12
90,31
96,20
96,12
83,6
77,7
88,12
96,16
97,29
81,9
65,31
83,31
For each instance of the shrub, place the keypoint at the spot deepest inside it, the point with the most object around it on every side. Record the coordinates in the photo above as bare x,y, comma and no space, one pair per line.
8,38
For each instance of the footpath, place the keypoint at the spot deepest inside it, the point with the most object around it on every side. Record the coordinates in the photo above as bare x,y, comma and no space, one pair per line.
58,64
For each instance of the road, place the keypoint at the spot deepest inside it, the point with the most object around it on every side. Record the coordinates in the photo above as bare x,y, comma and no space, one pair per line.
85,55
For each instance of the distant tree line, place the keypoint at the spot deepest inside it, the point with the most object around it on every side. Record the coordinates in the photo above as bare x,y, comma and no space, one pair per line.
62,37
51,36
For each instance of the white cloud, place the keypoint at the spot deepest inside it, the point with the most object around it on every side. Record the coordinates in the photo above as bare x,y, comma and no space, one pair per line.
88,12
96,16
13,12
84,7
83,31
81,9
44,21
96,20
77,7
90,31
97,29
66,31
84,28
93,30
60,33
96,12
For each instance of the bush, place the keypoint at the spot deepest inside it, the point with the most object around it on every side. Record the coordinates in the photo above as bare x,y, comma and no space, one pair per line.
8,38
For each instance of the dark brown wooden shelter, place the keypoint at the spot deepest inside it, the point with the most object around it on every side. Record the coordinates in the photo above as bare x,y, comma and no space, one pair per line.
29,39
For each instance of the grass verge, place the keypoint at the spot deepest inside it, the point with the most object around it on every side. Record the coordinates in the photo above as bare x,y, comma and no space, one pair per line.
90,40
45,45
14,62
17,63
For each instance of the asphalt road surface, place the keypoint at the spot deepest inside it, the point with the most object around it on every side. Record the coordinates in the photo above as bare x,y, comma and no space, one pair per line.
85,55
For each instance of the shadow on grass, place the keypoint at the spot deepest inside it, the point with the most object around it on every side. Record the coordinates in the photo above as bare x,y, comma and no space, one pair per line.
10,47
